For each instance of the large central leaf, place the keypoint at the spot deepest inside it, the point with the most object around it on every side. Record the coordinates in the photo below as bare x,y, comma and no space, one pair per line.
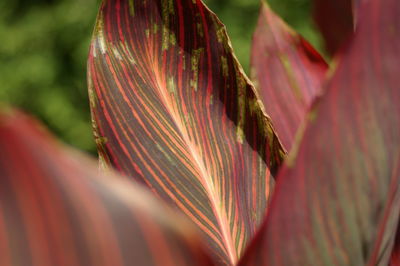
173,109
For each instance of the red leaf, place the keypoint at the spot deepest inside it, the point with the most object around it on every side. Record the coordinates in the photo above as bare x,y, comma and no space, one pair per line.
335,20
337,200
287,71
356,7
395,257
56,209
173,109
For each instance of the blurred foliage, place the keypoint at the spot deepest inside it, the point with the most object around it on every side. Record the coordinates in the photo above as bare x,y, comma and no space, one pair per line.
43,50
44,46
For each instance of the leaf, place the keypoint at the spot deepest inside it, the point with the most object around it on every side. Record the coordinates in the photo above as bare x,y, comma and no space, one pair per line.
335,21
56,209
356,6
287,71
337,200
173,109
395,256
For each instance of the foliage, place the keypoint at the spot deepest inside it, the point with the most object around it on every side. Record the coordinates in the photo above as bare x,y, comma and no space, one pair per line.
174,112
43,51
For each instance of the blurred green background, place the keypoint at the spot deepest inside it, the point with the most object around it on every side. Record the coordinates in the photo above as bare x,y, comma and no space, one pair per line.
44,46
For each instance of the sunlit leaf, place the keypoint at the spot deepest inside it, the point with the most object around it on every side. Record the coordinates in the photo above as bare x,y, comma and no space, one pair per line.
173,109
337,200
56,209
287,71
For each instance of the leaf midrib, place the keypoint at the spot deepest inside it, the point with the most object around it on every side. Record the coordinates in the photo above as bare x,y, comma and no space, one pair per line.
205,176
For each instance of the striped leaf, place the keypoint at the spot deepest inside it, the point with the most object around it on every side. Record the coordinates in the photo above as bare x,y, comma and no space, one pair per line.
287,71
56,209
173,109
337,200
335,20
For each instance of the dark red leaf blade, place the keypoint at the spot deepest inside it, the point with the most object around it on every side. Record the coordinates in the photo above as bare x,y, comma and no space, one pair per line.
57,209
395,256
173,109
287,71
335,21
337,200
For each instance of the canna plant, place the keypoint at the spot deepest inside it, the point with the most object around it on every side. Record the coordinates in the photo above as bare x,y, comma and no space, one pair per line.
300,166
